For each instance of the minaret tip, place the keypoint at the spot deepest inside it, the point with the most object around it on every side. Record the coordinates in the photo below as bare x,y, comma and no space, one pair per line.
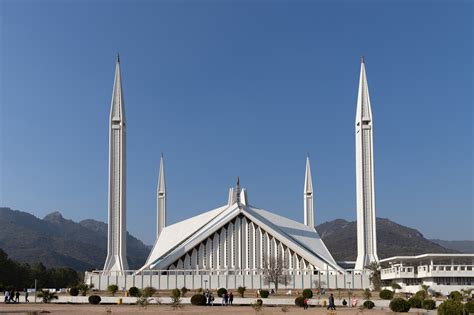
307,155
238,181
362,60
118,58
161,154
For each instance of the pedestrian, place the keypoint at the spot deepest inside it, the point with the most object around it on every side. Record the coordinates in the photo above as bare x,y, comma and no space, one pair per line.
231,297
331,305
12,296
208,297
305,303
226,298
26,296
258,293
17,297
7,296
212,299
223,299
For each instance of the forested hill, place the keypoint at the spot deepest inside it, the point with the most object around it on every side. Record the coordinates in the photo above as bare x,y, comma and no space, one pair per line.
58,242
340,237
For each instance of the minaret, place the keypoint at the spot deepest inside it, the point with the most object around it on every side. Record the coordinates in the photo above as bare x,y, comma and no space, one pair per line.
117,228
366,228
308,196
161,200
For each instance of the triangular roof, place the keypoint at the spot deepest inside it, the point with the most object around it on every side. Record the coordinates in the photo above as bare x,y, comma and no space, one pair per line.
180,238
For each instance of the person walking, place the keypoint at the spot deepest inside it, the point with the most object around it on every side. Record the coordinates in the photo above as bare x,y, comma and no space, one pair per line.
7,296
331,305
305,303
26,296
231,298
12,296
17,297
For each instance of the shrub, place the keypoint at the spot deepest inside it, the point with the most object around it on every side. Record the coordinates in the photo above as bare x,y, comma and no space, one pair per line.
415,301
241,291
299,301
369,304
84,288
367,294
399,305
175,293
455,295
94,299
307,293
422,294
184,290
221,292
264,293
74,291
469,307
134,291
148,292
450,307
47,296
428,304
386,294
113,288
198,299
199,290
259,302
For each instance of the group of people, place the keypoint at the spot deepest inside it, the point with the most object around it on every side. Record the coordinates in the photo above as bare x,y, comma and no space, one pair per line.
227,298
13,296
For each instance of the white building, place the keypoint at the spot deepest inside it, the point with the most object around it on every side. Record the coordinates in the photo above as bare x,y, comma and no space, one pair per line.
443,273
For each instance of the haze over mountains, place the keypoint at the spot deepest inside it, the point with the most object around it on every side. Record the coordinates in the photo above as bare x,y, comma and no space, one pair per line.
58,242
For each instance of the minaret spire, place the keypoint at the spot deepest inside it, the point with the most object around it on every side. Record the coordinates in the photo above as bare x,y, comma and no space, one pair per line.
308,196
365,187
117,228
161,199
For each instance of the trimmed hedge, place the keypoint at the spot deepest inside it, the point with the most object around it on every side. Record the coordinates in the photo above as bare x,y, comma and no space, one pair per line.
134,291
221,292
428,304
369,305
450,307
264,293
307,293
421,294
386,294
198,299
399,305
299,301
415,301
94,299
259,302
176,293
74,291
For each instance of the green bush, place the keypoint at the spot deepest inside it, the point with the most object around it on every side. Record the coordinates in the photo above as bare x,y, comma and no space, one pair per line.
175,293
134,291
241,291
259,302
74,291
399,305
386,294
455,295
428,304
307,293
148,292
94,299
299,301
184,290
369,304
469,307
221,292
415,301
450,307
113,288
198,299
422,294
264,293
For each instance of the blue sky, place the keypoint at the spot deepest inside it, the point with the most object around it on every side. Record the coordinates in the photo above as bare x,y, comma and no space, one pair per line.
239,88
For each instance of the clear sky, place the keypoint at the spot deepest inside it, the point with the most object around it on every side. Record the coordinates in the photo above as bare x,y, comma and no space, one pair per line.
239,88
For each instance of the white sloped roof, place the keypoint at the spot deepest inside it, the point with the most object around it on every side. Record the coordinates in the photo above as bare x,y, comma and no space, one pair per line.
177,239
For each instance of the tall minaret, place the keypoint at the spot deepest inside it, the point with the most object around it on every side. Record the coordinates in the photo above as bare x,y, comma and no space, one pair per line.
161,200
117,237
366,228
308,196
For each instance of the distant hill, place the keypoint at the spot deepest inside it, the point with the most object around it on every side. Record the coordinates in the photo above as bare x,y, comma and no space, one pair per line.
340,237
461,246
58,242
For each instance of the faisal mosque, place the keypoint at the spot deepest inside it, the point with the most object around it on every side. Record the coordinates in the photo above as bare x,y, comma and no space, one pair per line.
235,244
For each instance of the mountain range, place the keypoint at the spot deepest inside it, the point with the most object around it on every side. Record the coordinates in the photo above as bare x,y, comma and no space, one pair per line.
59,242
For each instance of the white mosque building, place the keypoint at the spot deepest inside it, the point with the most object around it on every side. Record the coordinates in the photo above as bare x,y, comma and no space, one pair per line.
235,244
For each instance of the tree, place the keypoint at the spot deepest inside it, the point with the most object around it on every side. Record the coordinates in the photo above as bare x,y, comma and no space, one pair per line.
241,291
367,294
84,288
375,277
395,286
47,296
113,288
275,271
